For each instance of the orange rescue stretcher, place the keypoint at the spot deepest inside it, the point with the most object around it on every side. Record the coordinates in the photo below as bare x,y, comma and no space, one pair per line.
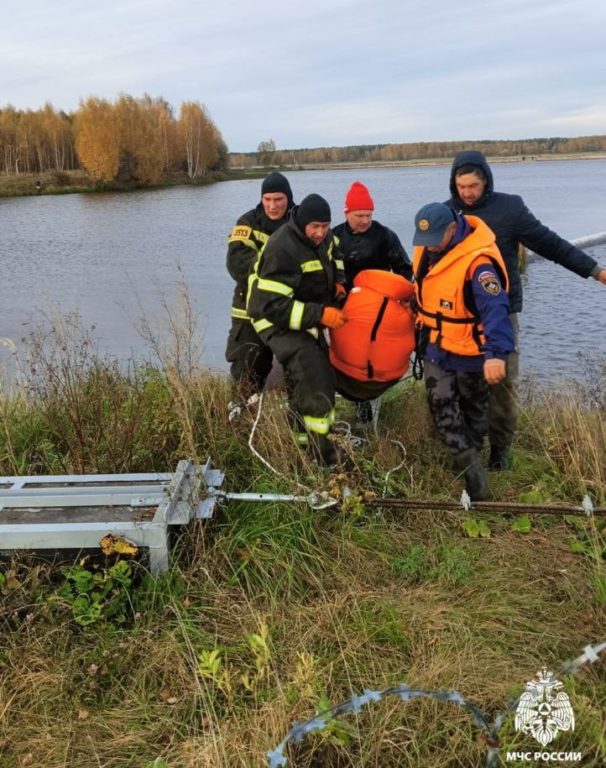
371,352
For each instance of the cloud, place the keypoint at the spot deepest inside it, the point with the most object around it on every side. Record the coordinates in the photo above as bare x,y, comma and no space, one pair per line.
308,73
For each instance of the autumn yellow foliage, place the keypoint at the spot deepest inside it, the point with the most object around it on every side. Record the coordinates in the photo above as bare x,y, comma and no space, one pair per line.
130,140
97,139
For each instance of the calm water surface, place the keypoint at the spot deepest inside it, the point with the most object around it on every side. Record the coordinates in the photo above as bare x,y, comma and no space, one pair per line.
118,258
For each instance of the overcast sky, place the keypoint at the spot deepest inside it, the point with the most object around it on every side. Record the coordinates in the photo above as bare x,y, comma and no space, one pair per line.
310,73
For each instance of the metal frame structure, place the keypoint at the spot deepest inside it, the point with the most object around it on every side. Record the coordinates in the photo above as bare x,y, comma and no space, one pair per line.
77,511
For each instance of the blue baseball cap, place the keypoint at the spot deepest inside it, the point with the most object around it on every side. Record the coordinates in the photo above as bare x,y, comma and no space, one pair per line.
431,223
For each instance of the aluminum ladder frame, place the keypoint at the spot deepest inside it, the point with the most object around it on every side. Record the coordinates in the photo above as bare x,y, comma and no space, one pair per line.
77,511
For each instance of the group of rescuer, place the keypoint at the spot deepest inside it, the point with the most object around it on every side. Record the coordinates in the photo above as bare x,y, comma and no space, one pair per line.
343,309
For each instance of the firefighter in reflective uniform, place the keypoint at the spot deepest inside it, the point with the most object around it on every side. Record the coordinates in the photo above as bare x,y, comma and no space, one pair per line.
250,358
461,290
294,295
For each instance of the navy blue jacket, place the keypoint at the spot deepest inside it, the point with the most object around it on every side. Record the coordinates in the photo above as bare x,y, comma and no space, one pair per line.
512,223
490,305
377,248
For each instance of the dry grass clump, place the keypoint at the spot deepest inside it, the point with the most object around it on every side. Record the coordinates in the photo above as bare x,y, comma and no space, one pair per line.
125,696
565,425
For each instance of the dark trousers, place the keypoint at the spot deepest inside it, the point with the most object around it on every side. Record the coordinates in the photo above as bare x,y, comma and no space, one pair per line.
250,358
503,402
458,401
310,380
361,391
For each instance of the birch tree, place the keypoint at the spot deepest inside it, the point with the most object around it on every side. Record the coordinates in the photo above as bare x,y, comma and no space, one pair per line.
98,138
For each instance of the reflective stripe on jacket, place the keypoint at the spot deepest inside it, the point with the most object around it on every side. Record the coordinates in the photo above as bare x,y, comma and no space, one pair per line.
443,294
294,280
245,242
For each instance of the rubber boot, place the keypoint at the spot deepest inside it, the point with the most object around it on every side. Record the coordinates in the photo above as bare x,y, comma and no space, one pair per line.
363,413
476,482
323,450
367,413
328,453
499,458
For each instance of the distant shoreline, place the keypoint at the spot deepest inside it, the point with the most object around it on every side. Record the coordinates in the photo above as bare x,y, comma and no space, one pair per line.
259,171
72,182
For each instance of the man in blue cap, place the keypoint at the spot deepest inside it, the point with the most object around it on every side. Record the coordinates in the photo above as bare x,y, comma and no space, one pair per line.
461,290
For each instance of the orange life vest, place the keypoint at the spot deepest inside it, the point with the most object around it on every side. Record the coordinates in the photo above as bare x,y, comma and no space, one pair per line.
377,340
440,290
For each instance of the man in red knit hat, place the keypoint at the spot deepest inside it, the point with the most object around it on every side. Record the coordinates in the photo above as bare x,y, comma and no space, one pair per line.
367,244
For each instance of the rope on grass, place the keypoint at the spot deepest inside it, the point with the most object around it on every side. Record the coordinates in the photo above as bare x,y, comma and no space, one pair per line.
343,429
356,441
320,500
276,757
317,500
255,452
397,467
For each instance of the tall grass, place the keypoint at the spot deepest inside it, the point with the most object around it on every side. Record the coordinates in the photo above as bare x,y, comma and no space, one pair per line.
271,612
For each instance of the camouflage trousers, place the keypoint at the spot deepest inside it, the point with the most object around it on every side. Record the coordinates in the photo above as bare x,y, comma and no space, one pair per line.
503,402
458,402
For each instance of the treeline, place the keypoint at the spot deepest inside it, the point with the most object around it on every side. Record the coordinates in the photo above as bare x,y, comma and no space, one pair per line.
129,139
421,150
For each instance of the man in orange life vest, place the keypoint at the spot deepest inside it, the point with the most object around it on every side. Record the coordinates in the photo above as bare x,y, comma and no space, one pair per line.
461,291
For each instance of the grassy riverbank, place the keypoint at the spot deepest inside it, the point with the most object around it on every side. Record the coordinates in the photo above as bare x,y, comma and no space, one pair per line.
68,182
272,611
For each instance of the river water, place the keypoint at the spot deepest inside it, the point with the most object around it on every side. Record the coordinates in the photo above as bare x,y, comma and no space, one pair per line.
118,258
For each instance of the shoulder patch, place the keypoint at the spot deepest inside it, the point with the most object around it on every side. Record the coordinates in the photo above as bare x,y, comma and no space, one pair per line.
489,282
241,232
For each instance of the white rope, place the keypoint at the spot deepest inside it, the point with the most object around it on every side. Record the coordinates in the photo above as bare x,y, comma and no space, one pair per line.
317,500
343,429
397,467
255,452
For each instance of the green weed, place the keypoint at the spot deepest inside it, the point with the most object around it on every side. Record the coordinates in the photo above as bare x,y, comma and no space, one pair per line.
101,596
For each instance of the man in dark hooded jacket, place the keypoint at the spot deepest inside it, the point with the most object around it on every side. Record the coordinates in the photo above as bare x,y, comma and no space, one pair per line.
472,192
251,359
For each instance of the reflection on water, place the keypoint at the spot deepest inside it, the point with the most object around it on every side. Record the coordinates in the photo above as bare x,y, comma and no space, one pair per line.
118,258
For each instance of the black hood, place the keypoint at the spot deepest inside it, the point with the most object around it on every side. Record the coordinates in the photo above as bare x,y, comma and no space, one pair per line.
470,157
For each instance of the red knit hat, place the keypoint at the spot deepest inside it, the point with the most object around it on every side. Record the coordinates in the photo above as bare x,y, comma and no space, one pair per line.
358,198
